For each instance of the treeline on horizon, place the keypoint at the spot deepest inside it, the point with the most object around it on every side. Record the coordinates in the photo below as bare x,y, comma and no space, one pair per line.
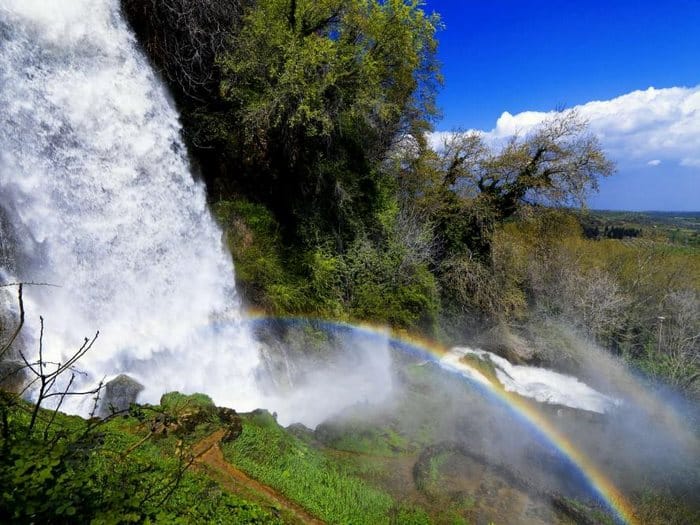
308,121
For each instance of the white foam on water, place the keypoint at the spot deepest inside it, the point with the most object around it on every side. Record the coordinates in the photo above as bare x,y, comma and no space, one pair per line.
540,384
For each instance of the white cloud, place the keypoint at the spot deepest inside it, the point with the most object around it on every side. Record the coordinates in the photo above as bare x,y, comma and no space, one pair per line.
691,162
658,124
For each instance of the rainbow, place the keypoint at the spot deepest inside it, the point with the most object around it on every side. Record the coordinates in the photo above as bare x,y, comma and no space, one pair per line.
524,410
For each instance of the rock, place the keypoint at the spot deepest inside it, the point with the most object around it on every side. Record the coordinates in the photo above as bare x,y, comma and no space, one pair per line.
183,414
13,377
119,394
501,341
187,411
232,424
187,421
579,512
302,432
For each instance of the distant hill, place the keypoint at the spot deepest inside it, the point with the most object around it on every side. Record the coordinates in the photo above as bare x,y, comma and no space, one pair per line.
677,227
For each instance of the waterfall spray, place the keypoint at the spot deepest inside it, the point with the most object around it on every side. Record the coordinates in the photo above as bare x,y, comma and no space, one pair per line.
95,181
96,185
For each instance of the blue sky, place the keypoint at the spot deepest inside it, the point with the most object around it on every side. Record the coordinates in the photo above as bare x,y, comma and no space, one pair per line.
521,56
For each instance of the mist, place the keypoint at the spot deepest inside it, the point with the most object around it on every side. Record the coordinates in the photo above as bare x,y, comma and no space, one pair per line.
637,437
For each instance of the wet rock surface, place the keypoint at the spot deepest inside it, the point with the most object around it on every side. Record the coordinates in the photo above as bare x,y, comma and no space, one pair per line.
12,376
484,490
119,394
502,341
233,425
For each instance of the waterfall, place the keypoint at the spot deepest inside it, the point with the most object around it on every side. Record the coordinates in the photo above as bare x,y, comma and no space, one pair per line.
95,180
96,185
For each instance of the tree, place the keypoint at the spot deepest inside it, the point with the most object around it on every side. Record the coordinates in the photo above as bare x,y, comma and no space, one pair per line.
558,163
183,38
471,186
313,94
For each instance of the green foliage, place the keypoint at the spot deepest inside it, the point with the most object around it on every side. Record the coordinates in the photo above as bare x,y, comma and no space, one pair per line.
313,69
382,280
383,288
312,95
657,508
325,272
262,267
303,474
103,474
410,516
638,298
175,402
360,437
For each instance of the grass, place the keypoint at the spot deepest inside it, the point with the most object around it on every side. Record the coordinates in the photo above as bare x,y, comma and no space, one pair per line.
198,499
304,474
366,438
358,485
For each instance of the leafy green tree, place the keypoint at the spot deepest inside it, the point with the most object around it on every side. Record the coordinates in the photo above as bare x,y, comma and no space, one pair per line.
558,163
469,187
313,93
470,184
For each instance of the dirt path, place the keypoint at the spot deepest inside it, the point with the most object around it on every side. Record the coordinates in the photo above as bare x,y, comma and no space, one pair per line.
208,455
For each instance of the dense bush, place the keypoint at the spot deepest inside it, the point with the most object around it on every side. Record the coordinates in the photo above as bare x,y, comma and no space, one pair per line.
385,280
183,38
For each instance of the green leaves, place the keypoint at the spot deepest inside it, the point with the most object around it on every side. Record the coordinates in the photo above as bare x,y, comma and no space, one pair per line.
84,474
358,57
312,95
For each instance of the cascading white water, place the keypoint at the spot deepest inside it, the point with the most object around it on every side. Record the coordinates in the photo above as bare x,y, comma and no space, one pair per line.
540,384
95,182
94,177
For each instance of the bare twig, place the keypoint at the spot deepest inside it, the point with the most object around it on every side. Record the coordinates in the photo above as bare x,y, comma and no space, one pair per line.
42,379
29,283
58,407
136,445
96,400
